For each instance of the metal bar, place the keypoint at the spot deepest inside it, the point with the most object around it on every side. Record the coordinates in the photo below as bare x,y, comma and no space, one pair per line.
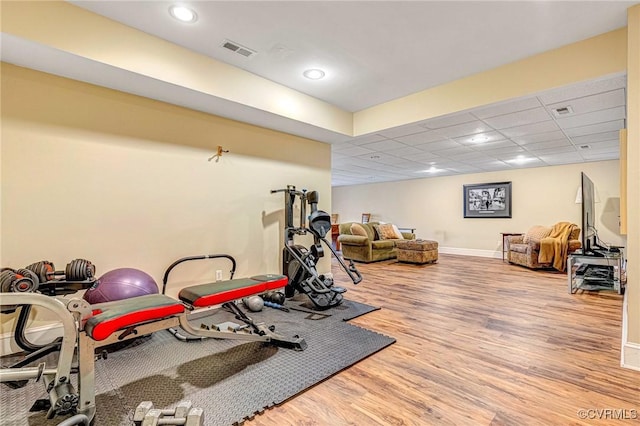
67,346
186,326
165,279
25,373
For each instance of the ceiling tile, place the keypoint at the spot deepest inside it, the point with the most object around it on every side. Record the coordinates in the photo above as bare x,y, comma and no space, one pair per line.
466,168
590,118
420,138
448,120
410,166
519,118
406,152
449,164
361,140
494,145
470,157
553,150
506,107
542,127
531,162
380,158
433,146
515,149
337,156
583,89
613,145
596,137
538,137
425,157
595,128
546,145
494,165
453,151
563,158
470,128
385,145
601,156
592,103
480,138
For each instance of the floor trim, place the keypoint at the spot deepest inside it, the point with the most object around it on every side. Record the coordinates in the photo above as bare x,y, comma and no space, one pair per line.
630,352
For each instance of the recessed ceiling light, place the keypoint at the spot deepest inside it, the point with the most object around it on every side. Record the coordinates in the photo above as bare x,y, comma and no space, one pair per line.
431,169
183,13
520,159
479,138
314,74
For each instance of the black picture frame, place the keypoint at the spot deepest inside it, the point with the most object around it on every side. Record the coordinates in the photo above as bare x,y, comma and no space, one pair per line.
487,200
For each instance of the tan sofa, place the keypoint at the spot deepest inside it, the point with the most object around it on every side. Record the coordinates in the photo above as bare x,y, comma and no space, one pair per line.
525,250
370,248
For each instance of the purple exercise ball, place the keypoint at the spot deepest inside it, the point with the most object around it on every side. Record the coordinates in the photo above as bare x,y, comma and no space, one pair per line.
122,283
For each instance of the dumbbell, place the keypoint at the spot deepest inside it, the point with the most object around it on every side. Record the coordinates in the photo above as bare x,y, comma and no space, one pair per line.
76,270
18,281
274,297
183,414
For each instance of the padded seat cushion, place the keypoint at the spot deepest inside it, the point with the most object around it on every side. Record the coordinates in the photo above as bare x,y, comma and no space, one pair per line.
519,248
383,244
113,316
224,291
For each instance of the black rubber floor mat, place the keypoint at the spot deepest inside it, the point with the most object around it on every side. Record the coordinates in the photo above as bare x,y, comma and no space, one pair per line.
347,310
230,380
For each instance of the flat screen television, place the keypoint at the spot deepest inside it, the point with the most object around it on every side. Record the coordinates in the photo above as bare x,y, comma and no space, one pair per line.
589,234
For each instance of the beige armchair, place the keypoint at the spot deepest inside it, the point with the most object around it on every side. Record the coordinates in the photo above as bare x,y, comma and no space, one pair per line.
544,247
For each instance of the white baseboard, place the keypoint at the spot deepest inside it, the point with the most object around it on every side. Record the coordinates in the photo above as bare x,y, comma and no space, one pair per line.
630,352
471,252
40,335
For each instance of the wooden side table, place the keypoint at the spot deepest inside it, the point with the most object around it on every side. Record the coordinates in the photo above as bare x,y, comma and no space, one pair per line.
335,232
504,240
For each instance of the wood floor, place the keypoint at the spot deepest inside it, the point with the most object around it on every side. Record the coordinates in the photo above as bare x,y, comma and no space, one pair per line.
479,342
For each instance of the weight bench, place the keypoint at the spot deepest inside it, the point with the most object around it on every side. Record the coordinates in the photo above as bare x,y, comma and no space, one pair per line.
87,327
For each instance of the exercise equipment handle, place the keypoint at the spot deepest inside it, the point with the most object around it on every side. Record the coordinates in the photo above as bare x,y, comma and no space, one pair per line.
351,270
165,279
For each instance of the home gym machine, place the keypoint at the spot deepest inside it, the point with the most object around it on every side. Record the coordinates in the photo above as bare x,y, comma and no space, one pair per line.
299,263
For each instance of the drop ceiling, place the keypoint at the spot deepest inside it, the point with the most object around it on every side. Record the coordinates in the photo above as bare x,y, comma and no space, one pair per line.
373,52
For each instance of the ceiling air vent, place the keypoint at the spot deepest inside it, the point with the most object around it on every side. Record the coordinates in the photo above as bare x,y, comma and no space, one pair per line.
561,111
238,48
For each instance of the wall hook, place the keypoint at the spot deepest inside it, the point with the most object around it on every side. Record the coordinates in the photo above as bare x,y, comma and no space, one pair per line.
218,154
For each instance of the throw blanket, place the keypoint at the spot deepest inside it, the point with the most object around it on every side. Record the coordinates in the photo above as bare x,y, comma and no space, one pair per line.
553,249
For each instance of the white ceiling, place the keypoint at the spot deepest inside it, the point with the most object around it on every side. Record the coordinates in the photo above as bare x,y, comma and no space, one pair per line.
524,132
375,51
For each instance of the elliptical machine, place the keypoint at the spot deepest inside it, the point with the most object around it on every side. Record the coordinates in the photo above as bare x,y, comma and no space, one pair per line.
299,263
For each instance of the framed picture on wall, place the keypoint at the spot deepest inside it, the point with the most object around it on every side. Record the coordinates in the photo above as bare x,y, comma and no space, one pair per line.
487,200
366,217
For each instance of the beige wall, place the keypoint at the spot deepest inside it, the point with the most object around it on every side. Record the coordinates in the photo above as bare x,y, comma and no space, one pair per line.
540,196
124,181
69,28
